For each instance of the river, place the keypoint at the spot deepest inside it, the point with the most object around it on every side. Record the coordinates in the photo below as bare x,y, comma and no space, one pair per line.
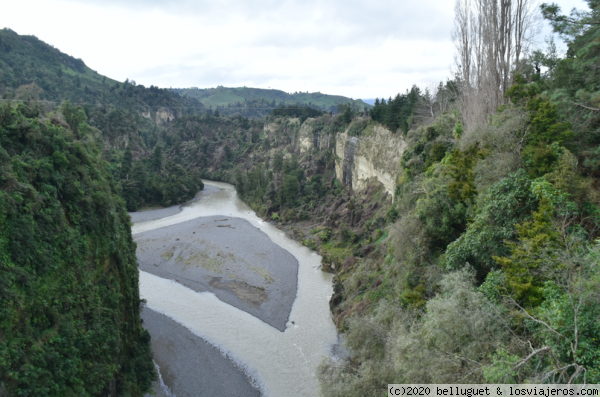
281,363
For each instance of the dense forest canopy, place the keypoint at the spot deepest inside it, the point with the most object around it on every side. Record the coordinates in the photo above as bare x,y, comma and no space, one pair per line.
492,273
69,298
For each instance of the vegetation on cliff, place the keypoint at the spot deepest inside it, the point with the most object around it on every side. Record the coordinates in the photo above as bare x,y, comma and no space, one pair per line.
492,270
69,297
483,268
128,120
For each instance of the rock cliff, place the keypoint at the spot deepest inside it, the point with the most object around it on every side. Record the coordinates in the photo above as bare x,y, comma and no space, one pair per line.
363,153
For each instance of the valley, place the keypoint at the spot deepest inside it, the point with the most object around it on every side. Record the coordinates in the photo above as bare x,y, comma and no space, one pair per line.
259,242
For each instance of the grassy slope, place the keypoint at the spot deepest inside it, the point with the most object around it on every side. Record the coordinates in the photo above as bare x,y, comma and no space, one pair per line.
223,96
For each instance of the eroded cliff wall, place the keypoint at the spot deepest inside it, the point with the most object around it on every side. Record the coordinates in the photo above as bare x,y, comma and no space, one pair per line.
373,152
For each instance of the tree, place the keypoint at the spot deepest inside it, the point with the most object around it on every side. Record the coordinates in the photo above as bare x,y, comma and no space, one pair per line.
290,190
126,163
552,283
277,162
157,158
29,92
491,38
74,116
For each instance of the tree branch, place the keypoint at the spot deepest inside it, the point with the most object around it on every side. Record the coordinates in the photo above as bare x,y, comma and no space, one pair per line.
524,361
539,321
586,107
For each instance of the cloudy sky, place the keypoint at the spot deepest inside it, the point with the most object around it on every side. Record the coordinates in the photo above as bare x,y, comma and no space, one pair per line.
360,49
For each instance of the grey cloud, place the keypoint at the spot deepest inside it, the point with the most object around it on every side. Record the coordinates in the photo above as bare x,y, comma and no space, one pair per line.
342,20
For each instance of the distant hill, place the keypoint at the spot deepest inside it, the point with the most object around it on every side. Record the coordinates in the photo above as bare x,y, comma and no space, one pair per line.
33,70
369,101
257,102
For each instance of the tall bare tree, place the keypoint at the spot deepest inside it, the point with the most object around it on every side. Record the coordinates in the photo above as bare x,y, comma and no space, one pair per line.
491,38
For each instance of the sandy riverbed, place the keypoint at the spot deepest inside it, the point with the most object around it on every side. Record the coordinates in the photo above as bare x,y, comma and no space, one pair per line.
280,363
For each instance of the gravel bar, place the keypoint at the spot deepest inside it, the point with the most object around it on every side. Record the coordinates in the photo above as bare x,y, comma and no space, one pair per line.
229,257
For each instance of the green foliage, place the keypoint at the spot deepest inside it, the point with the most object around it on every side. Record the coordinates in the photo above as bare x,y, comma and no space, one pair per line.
27,60
444,218
127,163
546,125
519,268
516,201
457,334
397,113
501,368
69,298
277,162
357,128
555,297
157,158
256,102
299,111
460,166
290,189
438,152
74,116
506,203
540,160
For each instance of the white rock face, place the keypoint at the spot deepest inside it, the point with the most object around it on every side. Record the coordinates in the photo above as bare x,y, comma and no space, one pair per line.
305,137
309,137
269,129
160,116
377,155
163,115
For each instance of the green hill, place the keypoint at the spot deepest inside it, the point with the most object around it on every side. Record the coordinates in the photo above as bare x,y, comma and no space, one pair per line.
257,102
33,70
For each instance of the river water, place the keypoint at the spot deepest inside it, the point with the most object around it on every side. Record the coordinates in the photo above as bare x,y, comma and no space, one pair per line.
282,363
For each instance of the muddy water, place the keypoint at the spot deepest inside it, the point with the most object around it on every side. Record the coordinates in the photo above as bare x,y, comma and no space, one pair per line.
282,363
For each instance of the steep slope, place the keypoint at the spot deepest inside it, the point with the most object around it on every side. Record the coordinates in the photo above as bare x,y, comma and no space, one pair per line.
69,299
26,60
129,119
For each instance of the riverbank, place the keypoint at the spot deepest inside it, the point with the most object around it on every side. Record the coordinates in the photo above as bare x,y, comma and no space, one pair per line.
187,364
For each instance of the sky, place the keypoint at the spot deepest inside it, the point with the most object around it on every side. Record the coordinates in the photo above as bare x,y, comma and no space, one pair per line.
359,49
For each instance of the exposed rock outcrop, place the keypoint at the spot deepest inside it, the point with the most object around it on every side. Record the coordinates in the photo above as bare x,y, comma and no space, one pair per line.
375,153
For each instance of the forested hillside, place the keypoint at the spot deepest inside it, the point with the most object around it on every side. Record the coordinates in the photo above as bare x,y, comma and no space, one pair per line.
69,298
127,119
485,266
492,269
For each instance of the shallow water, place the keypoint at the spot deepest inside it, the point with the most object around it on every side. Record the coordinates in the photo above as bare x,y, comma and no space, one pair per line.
282,363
